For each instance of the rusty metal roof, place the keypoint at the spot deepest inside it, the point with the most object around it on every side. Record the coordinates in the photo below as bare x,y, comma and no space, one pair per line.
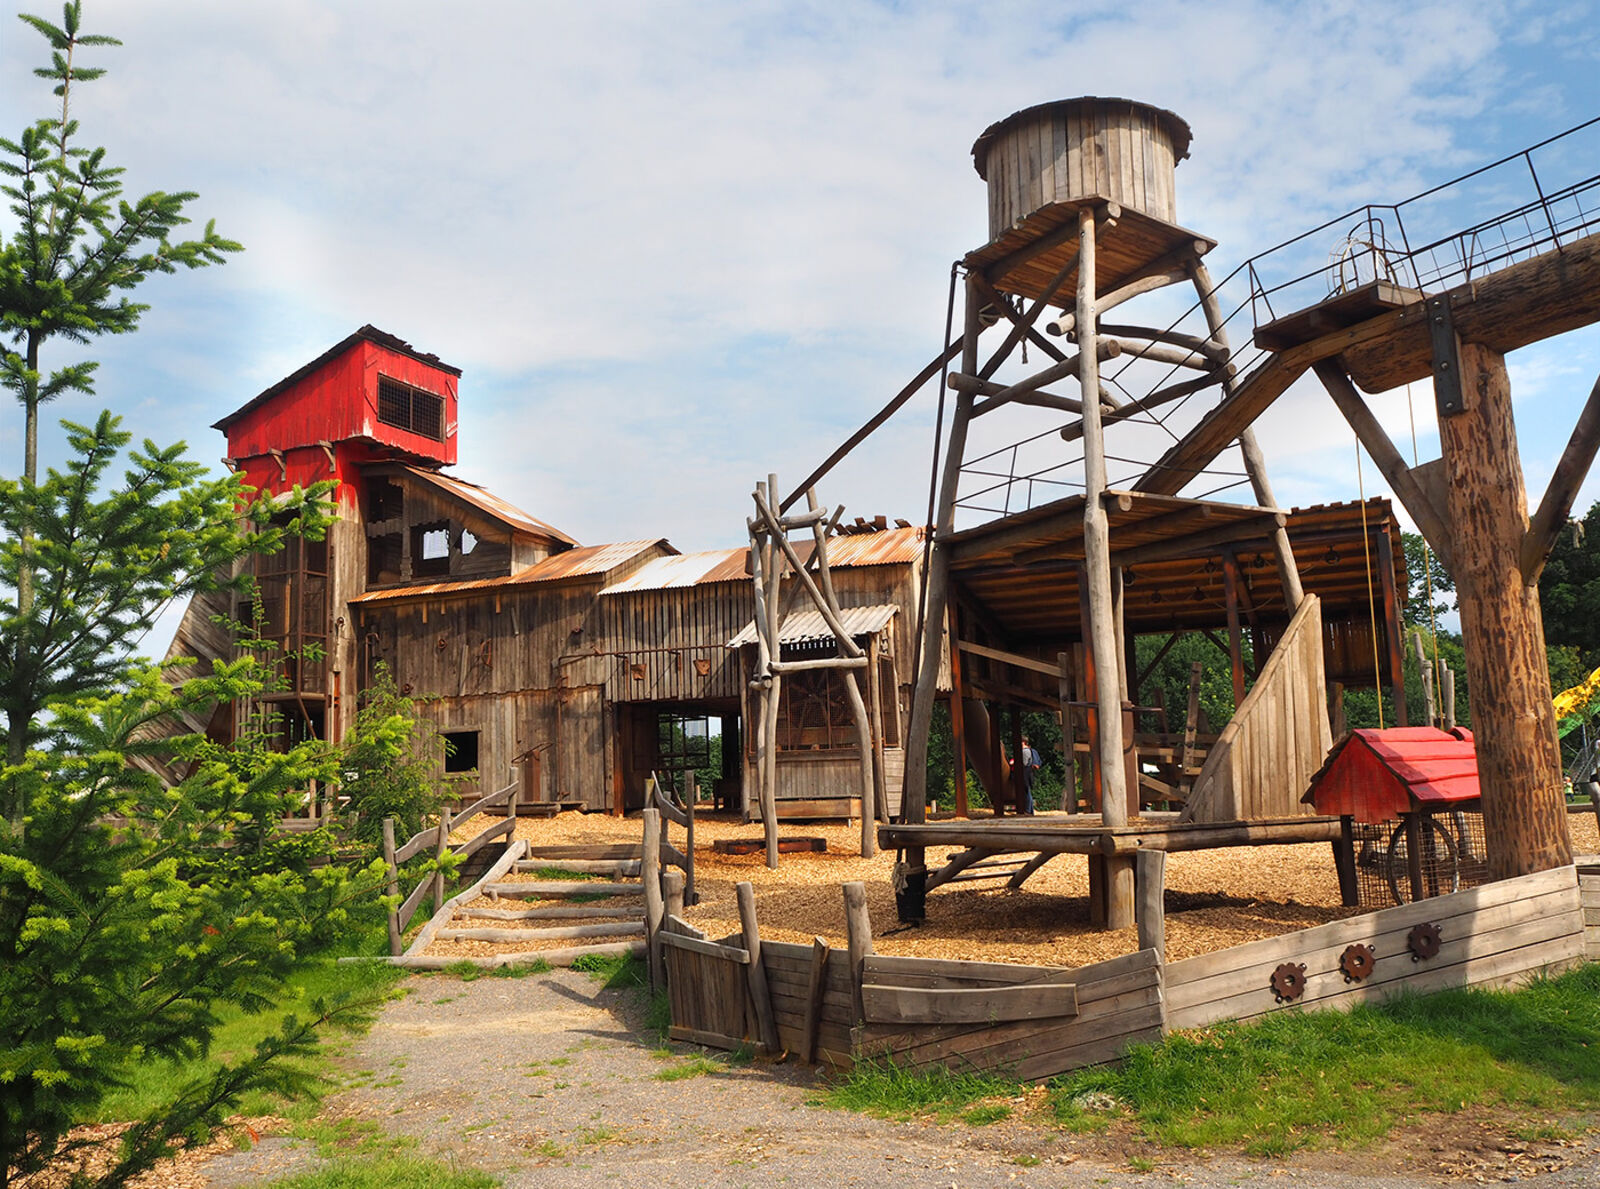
487,502
683,570
586,561
808,627
893,547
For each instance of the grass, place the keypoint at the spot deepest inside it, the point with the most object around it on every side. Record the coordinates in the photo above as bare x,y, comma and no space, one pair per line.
468,971
393,1171
1301,1079
616,971
149,1084
562,875
692,1067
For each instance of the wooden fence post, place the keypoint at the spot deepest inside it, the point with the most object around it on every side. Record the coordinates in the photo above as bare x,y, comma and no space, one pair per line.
755,972
650,875
392,887
673,884
1150,867
816,985
690,896
858,932
440,846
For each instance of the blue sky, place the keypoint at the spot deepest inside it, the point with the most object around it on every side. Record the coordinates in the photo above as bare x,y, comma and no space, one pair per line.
676,246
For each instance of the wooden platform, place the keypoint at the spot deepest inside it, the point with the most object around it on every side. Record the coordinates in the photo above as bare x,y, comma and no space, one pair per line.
1086,835
1338,312
1134,247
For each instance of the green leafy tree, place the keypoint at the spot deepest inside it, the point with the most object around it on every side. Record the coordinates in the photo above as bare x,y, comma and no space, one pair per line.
1569,591
79,246
391,760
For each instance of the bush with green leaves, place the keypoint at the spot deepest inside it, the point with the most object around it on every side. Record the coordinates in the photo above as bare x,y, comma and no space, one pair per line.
391,762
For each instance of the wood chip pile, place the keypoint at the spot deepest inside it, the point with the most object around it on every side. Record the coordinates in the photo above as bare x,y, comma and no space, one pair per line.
1215,899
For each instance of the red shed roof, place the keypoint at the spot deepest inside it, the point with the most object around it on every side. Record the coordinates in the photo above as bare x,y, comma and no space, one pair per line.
1375,776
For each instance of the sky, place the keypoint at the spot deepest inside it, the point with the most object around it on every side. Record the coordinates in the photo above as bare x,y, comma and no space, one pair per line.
675,247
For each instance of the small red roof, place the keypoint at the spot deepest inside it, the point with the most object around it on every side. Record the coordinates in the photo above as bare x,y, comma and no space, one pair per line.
1375,776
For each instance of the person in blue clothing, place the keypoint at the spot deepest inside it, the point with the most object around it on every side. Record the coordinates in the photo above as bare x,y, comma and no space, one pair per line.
1030,772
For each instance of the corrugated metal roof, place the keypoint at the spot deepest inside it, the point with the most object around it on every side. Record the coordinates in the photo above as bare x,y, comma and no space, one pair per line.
486,501
894,547
586,561
683,570
806,627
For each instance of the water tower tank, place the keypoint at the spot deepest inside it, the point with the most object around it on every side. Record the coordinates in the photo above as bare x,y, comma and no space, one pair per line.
1071,149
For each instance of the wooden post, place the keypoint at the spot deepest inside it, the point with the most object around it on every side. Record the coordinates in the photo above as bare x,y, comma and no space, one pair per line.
880,773
392,886
1336,717
755,972
1514,726
441,844
1392,626
650,877
1151,867
1069,739
1344,862
958,714
1019,770
1090,686
1191,718
858,933
1425,669
1448,700
997,763
816,987
1230,594
672,883
689,894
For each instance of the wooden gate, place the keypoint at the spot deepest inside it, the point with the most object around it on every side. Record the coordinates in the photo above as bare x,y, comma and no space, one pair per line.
707,985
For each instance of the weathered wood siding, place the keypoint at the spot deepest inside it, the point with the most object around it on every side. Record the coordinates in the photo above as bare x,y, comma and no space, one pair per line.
1263,761
1589,894
1494,935
661,640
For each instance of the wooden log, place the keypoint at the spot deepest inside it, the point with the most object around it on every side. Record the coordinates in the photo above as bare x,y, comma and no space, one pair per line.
501,865
1430,518
1022,874
858,936
816,985
958,864
554,933
625,867
1151,880
880,773
672,882
409,906
1344,862
708,949
689,894
574,912
560,956
967,384
551,889
1519,765
1157,352
1393,627
1562,489
392,884
1069,742
1425,668
958,713
1160,279
650,877
1153,400
755,972
1214,351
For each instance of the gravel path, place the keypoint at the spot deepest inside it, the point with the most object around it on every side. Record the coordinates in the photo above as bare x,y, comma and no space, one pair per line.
545,1081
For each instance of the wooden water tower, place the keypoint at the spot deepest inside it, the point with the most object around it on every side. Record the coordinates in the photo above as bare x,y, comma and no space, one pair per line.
1082,218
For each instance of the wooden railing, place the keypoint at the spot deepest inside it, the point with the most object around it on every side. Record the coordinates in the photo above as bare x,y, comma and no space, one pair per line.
682,815
1263,761
438,838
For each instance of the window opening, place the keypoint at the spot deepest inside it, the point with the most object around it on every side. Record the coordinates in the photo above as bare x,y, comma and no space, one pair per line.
411,409
468,542
460,751
685,743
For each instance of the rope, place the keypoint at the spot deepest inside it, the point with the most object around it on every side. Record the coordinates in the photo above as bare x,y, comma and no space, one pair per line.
1372,606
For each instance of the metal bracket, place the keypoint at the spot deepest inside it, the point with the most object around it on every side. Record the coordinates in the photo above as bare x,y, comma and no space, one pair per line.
1447,392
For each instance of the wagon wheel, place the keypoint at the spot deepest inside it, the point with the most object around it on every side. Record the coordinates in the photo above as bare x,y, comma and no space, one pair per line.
1443,869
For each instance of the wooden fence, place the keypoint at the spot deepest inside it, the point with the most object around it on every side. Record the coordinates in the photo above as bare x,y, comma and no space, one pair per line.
1279,735
438,839
1034,1022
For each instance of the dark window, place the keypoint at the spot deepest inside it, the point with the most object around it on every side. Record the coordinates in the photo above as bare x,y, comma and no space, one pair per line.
408,408
385,500
460,751
383,559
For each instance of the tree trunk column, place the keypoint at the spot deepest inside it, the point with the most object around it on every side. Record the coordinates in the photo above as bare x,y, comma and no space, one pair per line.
1514,723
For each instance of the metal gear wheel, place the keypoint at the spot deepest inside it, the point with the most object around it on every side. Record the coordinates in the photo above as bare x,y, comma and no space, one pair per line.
1423,941
1289,982
1358,962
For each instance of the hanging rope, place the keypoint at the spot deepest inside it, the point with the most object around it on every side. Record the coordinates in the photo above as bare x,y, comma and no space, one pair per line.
1372,606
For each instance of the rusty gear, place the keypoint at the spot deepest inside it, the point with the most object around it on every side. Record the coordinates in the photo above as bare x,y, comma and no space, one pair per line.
1289,982
1423,941
1358,962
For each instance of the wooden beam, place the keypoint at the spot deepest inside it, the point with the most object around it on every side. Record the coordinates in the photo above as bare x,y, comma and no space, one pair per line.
1197,544
1569,475
1022,323
1401,478
1011,658
1216,352
1154,400
1519,763
958,697
963,382
1392,628
1230,588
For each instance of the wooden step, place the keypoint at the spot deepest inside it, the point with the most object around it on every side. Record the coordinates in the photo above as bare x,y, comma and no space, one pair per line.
565,912
563,890
599,850
529,936
626,867
565,956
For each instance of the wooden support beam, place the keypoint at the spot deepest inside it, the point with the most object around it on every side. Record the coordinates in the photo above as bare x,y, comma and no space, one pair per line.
958,727
962,381
1157,352
1519,764
1016,660
816,986
858,935
1069,742
1168,269
1022,323
1201,543
1569,475
1402,479
1230,593
1392,626
1150,867
654,906
1216,352
755,972
1153,400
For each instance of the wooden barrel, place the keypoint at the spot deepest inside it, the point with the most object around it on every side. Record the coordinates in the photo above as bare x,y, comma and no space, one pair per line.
1070,149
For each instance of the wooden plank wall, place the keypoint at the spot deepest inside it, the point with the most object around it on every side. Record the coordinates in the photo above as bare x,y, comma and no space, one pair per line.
1263,761
638,627
1494,935
1589,894
788,968
1119,1004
